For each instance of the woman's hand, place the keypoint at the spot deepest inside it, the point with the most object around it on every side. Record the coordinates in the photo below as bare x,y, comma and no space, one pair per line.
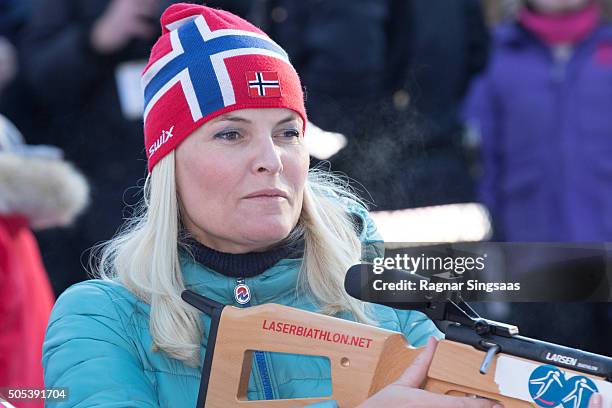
405,392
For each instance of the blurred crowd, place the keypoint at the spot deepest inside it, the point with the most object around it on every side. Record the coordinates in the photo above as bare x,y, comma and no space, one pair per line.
441,101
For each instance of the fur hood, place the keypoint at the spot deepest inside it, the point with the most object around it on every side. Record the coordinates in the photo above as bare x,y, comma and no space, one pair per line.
48,192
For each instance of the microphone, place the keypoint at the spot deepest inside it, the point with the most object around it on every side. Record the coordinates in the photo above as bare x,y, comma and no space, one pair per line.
393,287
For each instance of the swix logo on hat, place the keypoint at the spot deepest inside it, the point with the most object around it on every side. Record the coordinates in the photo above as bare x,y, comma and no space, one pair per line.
165,136
263,84
197,71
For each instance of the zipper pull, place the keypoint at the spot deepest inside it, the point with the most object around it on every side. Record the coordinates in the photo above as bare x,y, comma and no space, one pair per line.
242,293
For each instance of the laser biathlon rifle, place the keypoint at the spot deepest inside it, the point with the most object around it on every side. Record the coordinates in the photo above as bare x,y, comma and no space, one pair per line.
477,357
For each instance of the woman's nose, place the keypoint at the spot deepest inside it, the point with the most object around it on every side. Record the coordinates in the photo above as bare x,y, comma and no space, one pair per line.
268,157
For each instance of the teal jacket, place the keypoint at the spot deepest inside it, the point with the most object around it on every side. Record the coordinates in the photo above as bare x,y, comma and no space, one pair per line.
98,343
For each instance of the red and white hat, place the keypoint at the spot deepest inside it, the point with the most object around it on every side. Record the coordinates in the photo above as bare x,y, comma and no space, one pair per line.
208,62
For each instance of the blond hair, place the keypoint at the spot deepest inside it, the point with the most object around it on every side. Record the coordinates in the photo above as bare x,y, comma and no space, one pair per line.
144,256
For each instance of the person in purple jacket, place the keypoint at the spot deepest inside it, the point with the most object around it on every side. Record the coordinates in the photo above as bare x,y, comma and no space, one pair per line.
543,110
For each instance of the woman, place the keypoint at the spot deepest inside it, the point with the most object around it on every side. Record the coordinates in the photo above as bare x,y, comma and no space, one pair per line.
229,201
541,109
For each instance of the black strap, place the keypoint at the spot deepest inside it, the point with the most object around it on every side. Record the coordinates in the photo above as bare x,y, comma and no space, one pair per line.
214,310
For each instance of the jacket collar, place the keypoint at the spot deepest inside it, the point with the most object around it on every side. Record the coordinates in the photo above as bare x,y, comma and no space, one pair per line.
276,282
243,265
515,35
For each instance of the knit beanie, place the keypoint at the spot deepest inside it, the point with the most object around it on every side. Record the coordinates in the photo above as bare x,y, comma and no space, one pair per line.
208,62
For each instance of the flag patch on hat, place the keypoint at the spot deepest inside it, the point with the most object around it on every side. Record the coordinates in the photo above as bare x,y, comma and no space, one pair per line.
263,84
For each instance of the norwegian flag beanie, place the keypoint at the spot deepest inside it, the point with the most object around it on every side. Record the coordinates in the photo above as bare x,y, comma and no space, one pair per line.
208,62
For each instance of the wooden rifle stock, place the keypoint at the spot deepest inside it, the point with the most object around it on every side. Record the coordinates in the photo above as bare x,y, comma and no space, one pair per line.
363,359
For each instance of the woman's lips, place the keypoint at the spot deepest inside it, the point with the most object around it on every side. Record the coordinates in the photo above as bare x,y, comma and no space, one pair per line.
267,198
268,194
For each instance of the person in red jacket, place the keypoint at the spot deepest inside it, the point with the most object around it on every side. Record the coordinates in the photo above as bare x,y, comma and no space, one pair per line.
37,190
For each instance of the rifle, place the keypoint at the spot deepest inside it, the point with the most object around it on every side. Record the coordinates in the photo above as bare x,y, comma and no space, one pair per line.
478,357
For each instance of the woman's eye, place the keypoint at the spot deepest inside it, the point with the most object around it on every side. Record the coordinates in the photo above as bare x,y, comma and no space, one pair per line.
290,134
230,135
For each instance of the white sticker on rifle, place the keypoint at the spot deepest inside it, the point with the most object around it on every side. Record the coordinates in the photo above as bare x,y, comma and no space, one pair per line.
547,385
